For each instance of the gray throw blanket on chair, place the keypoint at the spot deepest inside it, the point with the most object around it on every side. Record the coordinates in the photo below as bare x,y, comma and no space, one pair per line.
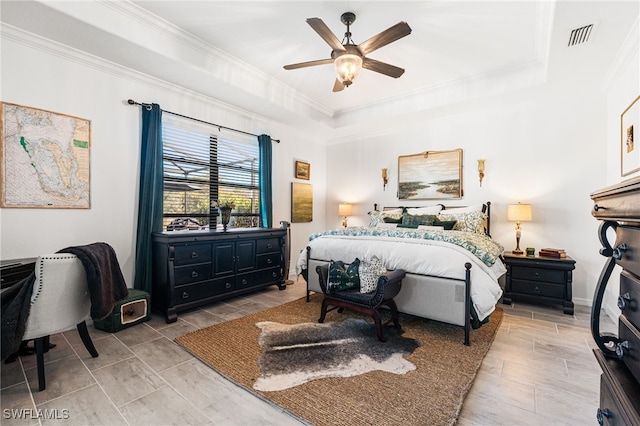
106,287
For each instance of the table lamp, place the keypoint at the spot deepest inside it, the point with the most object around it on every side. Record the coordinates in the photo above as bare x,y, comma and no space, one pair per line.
518,213
344,209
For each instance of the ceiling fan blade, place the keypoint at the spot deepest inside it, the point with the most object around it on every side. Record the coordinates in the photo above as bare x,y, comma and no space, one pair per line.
321,28
399,30
338,86
308,64
382,68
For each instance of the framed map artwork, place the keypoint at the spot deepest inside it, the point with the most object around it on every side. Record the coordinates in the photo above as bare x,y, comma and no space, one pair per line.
44,158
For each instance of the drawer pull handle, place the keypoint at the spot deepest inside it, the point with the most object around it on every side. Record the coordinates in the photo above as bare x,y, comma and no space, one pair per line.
619,251
269,261
621,348
597,207
269,246
536,289
228,285
185,295
274,274
602,413
244,281
623,300
536,275
194,274
194,254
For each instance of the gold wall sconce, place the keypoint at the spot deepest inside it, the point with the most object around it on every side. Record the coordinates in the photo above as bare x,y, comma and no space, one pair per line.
481,170
385,179
344,210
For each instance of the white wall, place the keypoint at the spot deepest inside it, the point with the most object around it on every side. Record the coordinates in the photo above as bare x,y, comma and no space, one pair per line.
39,74
622,87
540,148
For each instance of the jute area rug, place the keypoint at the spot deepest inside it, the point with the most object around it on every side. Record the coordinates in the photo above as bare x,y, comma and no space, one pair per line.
432,394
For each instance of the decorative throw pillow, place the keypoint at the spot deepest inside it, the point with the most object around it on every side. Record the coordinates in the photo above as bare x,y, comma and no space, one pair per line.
422,219
446,224
341,278
402,225
389,219
375,217
469,222
370,271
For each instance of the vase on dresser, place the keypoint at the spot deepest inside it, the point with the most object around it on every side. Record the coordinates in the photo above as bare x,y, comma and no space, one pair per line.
225,216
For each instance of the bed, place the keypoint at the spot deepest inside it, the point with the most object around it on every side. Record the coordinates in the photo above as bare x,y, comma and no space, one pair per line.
452,264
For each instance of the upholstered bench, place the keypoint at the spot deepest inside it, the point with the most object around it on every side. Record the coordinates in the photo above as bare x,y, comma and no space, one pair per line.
365,303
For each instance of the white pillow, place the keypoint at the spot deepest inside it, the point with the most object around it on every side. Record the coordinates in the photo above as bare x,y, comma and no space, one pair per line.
386,225
430,228
369,272
425,210
468,209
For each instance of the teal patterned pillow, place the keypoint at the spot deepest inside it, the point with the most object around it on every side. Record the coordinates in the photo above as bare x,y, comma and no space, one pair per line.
370,272
446,224
418,219
341,278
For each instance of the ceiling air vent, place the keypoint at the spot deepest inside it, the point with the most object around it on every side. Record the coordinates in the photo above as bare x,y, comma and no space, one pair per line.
580,35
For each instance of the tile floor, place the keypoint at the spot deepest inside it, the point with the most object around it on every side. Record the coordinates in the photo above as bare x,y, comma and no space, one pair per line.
540,370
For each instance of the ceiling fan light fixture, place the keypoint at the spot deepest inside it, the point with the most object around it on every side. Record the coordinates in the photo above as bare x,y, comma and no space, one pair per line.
348,67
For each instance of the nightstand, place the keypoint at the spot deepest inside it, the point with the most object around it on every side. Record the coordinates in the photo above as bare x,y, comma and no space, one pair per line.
539,279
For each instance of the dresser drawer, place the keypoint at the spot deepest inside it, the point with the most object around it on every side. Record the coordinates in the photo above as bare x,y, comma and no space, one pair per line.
269,260
610,412
629,348
533,288
267,245
192,273
538,274
193,292
191,253
629,300
259,278
630,237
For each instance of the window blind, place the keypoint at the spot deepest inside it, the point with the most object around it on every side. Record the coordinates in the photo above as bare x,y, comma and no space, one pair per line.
201,167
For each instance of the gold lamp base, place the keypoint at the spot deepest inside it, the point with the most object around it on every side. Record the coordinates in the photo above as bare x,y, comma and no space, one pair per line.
517,251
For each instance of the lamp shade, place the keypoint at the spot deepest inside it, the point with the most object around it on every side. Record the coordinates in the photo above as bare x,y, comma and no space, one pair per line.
348,67
344,209
519,212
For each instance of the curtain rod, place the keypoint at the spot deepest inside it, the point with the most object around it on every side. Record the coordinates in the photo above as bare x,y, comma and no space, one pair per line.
132,102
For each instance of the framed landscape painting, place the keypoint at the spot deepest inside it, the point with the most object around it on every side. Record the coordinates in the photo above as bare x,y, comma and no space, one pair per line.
301,202
629,130
303,170
430,175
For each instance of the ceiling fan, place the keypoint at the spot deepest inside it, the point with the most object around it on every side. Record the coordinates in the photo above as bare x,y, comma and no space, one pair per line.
349,58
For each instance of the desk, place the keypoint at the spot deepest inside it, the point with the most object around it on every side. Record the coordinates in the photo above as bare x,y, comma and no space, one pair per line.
14,270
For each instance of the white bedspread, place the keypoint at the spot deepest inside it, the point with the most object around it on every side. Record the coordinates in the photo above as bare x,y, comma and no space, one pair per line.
424,257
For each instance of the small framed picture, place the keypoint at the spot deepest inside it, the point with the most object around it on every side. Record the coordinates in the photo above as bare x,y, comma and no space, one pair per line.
303,170
629,130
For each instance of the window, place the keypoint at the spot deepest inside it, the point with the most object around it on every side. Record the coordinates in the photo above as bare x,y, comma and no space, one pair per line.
200,167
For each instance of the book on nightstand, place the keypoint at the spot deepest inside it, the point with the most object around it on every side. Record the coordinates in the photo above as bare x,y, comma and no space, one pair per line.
552,252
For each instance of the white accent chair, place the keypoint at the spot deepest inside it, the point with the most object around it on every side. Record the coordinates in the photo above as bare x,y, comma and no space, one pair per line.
60,301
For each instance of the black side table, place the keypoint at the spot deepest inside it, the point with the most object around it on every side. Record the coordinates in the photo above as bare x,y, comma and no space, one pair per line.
539,279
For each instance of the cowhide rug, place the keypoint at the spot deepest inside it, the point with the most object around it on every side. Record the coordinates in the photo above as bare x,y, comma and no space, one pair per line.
296,354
